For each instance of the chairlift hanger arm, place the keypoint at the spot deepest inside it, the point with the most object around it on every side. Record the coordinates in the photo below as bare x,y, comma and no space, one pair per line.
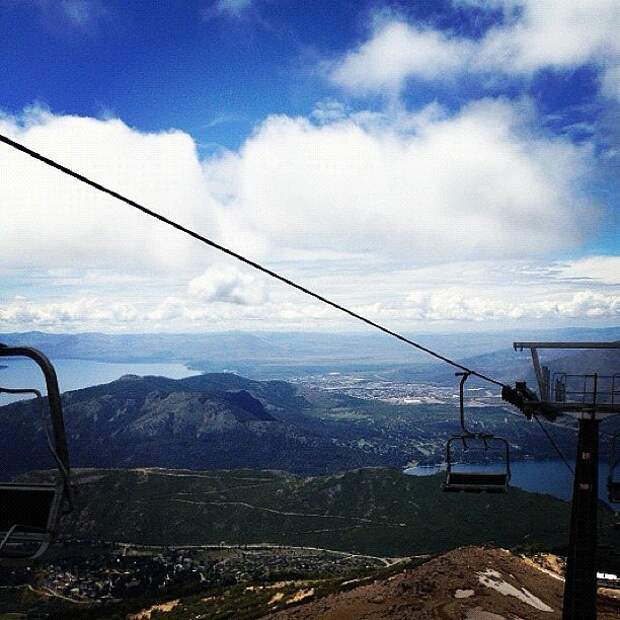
50,443
53,395
464,376
5,390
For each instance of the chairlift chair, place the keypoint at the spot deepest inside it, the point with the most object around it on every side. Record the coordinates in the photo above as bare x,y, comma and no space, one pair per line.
613,482
30,512
473,481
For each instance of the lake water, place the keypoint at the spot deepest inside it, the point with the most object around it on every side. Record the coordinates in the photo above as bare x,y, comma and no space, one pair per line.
550,477
77,374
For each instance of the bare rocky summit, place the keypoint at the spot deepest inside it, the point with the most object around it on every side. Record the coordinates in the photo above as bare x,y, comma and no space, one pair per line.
470,583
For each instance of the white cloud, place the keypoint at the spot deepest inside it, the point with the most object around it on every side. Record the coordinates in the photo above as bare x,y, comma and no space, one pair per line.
82,311
404,187
345,201
461,305
50,220
231,8
227,284
597,269
555,33
479,183
560,34
395,52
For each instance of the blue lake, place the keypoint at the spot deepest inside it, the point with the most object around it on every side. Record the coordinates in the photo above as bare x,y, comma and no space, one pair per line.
77,374
550,477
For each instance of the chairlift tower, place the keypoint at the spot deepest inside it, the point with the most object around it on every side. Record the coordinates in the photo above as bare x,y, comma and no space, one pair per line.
589,398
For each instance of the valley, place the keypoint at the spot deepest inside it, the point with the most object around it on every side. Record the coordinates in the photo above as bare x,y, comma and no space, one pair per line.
225,543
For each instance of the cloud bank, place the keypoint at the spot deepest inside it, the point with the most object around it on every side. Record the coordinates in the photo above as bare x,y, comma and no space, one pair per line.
414,218
410,188
556,34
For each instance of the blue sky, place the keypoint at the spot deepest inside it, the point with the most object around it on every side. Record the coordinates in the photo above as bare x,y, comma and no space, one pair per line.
456,160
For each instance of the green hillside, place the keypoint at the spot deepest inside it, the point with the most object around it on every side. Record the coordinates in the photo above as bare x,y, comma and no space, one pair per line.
224,421
375,511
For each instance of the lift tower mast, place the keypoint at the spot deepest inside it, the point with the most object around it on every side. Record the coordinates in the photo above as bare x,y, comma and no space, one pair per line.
589,398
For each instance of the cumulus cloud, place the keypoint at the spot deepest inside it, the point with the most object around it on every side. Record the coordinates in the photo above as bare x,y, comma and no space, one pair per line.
229,285
559,34
51,221
479,183
397,51
21,312
408,187
373,191
455,305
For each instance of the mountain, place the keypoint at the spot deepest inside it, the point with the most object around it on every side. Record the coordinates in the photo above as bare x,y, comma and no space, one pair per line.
373,511
472,583
282,354
248,543
202,422
508,365
222,420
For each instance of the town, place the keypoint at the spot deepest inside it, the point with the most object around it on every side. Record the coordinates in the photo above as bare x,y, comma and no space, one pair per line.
111,572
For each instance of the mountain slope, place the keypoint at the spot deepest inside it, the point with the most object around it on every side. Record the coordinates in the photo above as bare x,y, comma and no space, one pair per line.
471,583
202,422
215,421
374,511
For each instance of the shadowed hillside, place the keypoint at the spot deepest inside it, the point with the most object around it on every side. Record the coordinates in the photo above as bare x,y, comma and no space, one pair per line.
374,511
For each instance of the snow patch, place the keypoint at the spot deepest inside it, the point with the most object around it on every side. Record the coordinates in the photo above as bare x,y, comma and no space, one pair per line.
463,593
492,579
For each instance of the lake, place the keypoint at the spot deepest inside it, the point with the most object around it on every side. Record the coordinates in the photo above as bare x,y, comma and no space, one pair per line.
77,374
550,477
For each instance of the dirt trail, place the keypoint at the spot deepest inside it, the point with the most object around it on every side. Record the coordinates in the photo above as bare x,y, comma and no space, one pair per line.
288,513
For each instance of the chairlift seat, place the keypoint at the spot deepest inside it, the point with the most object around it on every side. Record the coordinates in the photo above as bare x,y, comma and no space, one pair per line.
476,482
28,514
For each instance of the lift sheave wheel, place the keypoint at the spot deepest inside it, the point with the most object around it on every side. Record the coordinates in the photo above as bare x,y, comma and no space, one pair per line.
489,475
29,512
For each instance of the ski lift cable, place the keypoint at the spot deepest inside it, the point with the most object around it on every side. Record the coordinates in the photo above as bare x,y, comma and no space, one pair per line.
554,444
239,257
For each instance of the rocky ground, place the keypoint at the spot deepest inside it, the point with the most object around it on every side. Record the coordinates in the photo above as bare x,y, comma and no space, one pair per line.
470,583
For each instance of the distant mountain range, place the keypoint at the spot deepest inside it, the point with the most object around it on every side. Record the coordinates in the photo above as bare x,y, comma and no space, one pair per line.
509,366
279,355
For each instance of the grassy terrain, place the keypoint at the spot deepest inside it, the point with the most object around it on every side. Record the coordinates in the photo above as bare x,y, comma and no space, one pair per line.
372,511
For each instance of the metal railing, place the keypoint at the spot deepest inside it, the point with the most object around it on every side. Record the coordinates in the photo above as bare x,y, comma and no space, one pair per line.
586,389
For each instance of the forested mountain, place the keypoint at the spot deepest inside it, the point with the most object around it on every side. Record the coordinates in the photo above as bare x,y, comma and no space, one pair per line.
216,421
374,511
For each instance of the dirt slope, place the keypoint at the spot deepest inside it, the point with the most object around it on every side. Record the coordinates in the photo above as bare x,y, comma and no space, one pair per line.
466,584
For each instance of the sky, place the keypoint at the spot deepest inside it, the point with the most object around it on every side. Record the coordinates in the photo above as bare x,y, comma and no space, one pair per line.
447,165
